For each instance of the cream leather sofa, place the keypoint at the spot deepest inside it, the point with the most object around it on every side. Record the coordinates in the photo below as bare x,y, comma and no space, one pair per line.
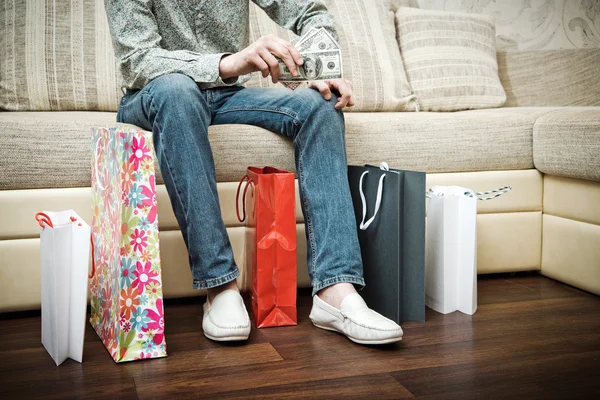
545,142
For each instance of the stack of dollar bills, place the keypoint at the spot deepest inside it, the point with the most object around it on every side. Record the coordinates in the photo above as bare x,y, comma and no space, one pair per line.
322,56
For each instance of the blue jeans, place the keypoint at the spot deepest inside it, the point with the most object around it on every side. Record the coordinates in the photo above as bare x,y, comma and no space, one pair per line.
179,113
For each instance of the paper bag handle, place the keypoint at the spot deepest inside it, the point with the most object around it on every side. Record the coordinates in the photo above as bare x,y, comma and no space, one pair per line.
96,169
43,219
237,198
365,224
496,193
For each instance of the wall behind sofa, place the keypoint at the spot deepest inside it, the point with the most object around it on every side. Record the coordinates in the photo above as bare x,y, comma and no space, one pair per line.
534,24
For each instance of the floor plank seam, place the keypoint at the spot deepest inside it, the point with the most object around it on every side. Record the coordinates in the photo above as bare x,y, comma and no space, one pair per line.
278,352
137,395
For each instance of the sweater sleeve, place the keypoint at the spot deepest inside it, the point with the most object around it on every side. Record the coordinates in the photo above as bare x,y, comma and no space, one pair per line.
299,15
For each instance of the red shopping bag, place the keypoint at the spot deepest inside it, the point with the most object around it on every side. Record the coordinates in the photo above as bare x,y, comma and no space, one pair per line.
269,197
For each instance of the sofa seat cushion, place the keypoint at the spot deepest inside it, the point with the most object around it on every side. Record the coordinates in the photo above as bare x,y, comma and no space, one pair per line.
566,142
53,149
465,141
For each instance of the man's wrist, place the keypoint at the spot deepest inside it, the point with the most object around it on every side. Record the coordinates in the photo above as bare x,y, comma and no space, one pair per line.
225,68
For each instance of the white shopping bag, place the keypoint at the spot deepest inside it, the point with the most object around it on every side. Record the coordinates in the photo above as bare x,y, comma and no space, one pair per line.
451,248
64,261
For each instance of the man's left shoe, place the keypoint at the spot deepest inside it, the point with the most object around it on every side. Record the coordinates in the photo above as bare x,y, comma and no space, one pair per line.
355,320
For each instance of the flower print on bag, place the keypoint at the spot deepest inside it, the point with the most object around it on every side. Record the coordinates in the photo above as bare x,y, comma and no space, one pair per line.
139,152
144,276
127,272
107,193
139,319
129,302
147,166
136,196
101,258
130,221
149,199
127,176
157,322
139,176
107,303
125,249
126,145
153,244
144,223
114,220
139,240
143,356
146,256
153,290
149,345
143,299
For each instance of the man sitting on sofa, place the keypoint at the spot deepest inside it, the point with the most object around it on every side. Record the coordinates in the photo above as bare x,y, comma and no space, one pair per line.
183,64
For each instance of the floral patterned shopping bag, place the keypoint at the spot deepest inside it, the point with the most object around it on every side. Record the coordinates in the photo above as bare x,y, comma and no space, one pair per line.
126,287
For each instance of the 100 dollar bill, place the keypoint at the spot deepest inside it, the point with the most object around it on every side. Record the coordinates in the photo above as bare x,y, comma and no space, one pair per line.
316,40
318,66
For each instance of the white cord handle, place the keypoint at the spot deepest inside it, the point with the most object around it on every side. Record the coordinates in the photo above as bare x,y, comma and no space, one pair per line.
469,193
364,225
98,182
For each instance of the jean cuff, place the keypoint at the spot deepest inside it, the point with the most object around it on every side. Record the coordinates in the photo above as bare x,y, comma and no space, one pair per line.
338,279
211,283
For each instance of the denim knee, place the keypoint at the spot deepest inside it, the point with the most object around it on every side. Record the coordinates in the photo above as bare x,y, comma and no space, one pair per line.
315,108
174,89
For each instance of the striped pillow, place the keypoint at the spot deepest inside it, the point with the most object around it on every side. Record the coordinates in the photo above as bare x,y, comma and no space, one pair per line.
450,59
56,56
371,59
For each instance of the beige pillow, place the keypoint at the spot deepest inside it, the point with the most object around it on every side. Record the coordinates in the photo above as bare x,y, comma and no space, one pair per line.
450,59
56,56
370,56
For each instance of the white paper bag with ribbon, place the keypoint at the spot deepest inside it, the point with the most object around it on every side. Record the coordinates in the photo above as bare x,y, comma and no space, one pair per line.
451,248
64,261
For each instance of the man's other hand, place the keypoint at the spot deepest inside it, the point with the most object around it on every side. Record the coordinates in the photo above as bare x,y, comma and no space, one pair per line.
342,88
260,56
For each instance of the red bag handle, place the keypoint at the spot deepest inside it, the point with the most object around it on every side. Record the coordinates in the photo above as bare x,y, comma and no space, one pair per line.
91,275
43,219
237,197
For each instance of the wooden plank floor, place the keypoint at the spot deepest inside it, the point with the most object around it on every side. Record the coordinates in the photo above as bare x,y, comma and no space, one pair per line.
530,338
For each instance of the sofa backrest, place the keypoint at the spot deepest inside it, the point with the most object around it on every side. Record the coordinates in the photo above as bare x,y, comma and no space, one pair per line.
58,56
568,77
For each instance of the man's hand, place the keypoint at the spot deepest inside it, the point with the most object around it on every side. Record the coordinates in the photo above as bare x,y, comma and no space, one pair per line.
260,56
338,87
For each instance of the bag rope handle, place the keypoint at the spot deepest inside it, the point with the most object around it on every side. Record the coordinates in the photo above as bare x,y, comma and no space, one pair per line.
43,219
96,169
496,193
93,272
237,197
365,224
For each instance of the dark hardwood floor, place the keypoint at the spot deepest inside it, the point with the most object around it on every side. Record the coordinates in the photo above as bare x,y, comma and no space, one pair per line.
531,338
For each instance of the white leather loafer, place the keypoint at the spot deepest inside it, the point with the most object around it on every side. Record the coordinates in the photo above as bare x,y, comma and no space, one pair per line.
226,318
355,320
